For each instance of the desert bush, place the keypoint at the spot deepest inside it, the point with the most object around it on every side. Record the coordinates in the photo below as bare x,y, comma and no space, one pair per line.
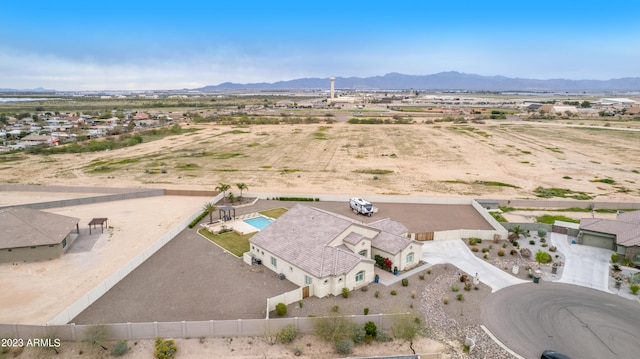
421,276
383,336
376,294
335,309
464,278
467,286
359,334
501,253
474,249
366,311
405,282
473,241
614,258
281,309
486,256
532,242
345,292
165,348
542,257
485,250
504,245
525,252
344,346
393,292
513,252
428,270
454,288
371,329
460,297
553,249
413,294
333,328
96,335
445,300
543,245
120,348
287,334
634,288
542,232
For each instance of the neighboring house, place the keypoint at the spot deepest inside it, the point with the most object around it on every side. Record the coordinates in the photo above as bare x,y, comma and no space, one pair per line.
325,252
31,235
621,235
34,140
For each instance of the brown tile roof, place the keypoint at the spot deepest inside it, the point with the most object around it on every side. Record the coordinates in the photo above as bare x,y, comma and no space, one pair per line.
25,227
626,227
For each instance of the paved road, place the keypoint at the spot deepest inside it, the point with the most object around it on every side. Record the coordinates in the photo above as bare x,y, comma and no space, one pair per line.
458,254
584,266
580,322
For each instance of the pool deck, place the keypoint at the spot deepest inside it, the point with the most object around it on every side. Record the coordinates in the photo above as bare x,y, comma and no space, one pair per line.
237,224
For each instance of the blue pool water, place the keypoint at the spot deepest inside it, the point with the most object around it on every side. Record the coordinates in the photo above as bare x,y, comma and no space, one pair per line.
258,222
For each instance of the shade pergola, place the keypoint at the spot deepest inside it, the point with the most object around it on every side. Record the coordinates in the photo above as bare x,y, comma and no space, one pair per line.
225,213
97,221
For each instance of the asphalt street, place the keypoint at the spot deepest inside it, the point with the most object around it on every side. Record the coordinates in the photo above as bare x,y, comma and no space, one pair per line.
580,322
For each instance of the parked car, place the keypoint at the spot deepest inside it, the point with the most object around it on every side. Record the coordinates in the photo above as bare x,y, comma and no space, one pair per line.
552,354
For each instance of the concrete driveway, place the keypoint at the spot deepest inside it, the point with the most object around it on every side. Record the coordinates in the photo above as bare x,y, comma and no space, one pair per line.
584,266
457,253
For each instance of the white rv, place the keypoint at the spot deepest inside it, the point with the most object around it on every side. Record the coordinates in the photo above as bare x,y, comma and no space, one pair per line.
360,206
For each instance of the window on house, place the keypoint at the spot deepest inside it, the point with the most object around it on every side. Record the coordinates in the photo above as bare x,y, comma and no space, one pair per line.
363,253
10,249
290,269
410,257
360,276
274,262
326,281
307,280
64,243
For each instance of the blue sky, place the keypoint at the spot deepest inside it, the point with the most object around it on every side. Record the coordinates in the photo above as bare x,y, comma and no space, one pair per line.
137,45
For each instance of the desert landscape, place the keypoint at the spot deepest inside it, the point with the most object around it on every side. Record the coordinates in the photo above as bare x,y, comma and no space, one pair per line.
497,159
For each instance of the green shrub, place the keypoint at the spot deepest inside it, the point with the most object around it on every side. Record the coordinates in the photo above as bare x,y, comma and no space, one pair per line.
542,257
120,348
281,309
504,245
486,256
421,276
301,199
474,249
513,252
501,253
473,241
335,309
376,294
197,219
371,329
405,282
542,232
445,300
614,258
460,297
366,311
287,334
345,292
165,348
634,288
532,242
344,346
393,292
454,288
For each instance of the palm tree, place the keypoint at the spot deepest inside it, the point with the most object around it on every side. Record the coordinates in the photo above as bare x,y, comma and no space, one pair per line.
241,186
223,187
515,233
209,207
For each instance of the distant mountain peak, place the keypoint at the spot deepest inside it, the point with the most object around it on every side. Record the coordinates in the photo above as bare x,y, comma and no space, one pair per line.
447,80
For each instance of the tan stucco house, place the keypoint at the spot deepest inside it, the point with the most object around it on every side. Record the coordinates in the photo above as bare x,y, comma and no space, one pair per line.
31,235
621,235
326,252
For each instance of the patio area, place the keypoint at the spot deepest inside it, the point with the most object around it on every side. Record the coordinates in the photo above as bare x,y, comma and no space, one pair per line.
236,224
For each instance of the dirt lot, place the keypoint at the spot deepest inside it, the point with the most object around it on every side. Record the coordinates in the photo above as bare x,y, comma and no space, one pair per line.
493,160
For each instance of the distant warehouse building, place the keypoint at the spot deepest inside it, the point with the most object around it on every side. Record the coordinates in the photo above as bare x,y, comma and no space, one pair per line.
31,235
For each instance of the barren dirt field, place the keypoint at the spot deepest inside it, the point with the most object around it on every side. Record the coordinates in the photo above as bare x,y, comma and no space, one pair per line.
491,160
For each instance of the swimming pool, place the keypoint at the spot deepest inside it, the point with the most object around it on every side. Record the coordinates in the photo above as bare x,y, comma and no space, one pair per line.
259,222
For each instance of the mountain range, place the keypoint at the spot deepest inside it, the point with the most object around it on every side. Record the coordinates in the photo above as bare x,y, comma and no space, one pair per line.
451,80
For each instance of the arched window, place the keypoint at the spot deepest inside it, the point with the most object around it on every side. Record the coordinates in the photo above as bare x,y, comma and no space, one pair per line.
360,276
363,253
